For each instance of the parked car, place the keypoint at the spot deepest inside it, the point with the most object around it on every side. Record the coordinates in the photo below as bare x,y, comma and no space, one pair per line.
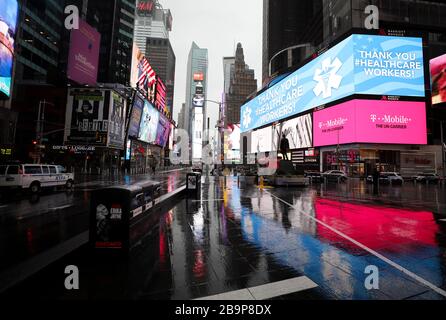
335,175
314,176
427,178
34,177
391,178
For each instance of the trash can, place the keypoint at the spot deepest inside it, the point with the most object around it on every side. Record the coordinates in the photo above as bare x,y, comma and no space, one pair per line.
193,184
116,211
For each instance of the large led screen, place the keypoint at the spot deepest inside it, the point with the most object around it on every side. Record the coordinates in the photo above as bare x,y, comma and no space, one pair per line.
361,64
262,140
438,78
135,120
83,57
163,131
8,24
371,121
298,131
149,123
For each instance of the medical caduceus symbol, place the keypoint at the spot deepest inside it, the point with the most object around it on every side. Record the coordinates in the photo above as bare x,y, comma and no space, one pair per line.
327,77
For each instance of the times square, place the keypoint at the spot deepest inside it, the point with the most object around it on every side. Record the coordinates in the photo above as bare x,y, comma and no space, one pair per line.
143,159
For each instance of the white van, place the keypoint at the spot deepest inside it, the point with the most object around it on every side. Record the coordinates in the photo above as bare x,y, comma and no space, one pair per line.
34,176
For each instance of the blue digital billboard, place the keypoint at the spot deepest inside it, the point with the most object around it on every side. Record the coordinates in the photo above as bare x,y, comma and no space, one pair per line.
149,123
8,24
361,64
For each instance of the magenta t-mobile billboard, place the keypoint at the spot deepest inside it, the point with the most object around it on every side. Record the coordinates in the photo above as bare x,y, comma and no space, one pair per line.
371,121
84,54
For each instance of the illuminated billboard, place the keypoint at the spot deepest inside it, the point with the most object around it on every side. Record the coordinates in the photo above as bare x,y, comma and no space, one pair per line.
149,123
438,78
298,131
83,57
361,64
8,24
371,121
262,140
163,131
135,119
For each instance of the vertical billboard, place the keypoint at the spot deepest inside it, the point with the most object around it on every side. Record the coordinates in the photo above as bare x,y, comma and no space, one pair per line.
87,117
83,56
163,131
135,118
371,121
8,24
116,127
360,64
149,123
142,75
438,79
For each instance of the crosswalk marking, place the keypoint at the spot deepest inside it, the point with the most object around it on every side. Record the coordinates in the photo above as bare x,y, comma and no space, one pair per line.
267,291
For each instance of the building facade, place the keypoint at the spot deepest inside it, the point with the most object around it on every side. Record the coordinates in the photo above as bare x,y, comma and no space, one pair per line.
152,27
162,59
242,83
196,95
337,20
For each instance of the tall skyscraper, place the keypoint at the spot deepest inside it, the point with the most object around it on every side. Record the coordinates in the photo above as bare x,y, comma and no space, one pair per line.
242,83
289,24
228,65
152,27
196,95
38,80
115,20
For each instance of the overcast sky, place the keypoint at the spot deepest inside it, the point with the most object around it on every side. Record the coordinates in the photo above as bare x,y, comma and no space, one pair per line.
217,25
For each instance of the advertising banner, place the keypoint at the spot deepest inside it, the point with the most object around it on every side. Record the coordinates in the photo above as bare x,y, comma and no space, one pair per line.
262,140
8,23
135,119
370,121
438,78
83,57
361,64
149,123
87,117
116,128
298,131
163,131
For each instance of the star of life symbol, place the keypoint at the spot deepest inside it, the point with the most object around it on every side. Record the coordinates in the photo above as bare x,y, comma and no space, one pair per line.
247,117
327,77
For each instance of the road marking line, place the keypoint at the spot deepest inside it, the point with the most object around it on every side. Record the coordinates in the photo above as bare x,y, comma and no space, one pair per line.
266,291
1,207
208,200
443,220
373,252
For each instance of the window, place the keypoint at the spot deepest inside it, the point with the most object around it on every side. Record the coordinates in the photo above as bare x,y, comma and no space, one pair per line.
53,170
33,170
61,169
13,170
45,170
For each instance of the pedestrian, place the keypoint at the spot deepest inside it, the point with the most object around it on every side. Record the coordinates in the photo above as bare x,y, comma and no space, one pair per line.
284,147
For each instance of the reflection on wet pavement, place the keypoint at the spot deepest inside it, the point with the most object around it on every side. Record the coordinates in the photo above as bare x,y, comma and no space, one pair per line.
236,238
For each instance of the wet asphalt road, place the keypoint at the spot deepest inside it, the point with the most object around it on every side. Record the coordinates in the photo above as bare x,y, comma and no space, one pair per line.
30,225
237,237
